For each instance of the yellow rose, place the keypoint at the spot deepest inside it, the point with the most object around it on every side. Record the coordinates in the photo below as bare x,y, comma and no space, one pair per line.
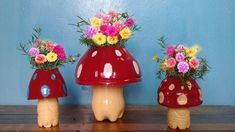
112,40
163,66
99,39
125,33
51,57
96,22
191,52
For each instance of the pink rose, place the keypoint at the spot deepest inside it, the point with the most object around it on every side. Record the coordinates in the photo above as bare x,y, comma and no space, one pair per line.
58,49
171,62
62,56
193,62
118,25
129,22
49,46
112,13
108,30
40,59
170,50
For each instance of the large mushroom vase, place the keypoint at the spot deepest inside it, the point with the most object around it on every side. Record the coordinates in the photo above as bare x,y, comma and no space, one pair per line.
107,70
179,99
47,86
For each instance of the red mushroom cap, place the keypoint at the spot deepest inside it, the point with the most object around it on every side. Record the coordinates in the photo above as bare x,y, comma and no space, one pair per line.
172,93
107,66
47,84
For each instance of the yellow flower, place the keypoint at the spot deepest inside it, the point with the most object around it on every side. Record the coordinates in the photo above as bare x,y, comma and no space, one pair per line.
191,52
99,39
51,57
125,33
163,66
155,58
96,22
112,40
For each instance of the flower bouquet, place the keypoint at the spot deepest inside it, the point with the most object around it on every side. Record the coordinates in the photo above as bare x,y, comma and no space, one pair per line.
179,90
47,84
107,65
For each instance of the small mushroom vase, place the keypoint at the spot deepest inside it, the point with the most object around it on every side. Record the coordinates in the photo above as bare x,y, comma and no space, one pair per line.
179,99
107,70
47,86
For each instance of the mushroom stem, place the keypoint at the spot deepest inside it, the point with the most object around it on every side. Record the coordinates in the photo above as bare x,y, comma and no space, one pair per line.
108,102
48,112
179,117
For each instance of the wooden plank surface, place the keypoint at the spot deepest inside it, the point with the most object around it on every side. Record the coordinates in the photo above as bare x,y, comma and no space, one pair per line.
136,118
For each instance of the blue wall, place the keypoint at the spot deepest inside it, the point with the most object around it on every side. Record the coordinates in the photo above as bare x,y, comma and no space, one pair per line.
208,22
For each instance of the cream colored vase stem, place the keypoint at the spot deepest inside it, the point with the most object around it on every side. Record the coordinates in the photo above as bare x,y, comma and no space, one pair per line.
178,117
108,102
48,112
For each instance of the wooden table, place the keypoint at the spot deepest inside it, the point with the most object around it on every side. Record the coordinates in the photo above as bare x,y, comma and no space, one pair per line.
136,118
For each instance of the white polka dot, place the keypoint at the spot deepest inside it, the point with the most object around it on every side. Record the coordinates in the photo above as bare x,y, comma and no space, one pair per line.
161,97
108,70
118,53
182,87
165,80
94,54
171,87
136,67
200,94
182,99
79,70
189,85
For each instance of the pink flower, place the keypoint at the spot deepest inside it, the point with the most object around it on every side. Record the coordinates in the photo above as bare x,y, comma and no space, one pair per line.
40,59
170,50
108,30
129,22
171,62
118,25
37,43
180,47
179,57
183,67
49,46
106,18
33,52
112,13
58,49
62,56
89,32
193,62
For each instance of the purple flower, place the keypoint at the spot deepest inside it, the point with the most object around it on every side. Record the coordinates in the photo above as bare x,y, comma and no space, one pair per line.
180,47
170,50
129,22
179,57
183,67
89,32
33,52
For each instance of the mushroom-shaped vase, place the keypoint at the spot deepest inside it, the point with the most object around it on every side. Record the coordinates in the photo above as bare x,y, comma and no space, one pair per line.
47,86
107,69
179,98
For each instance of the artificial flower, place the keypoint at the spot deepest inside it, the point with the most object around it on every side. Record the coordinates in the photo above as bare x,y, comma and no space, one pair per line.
99,39
40,59
37,42
170,62
108,30
170,50
33,52
112,13
51,57
49,46
129,22
112,39
179,57
96,22
58,49
89,32
194,63
155,58
62,56
125,33
180,47
118,25
183,67
163,66
191,52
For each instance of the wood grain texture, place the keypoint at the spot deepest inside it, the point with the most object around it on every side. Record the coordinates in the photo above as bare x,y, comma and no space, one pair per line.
136,118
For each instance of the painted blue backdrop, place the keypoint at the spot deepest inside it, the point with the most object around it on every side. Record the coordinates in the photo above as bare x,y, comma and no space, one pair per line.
208,22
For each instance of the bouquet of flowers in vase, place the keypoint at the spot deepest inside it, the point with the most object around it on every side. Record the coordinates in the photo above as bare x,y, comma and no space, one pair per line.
106,29
45,54
181,62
